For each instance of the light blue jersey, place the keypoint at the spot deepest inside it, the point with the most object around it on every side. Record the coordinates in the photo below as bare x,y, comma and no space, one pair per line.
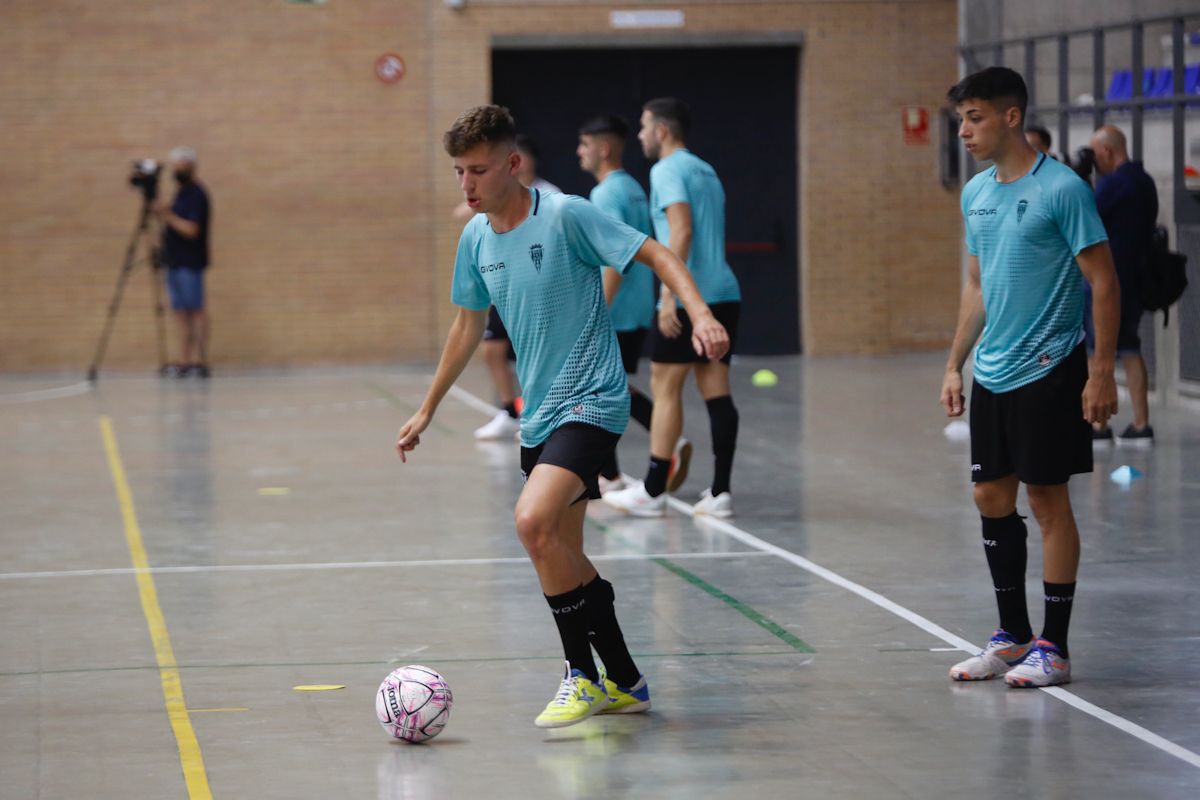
1026,235
683,178
620,196
544,279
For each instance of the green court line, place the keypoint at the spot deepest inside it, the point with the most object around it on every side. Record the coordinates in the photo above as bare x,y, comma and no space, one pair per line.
749,612
438,659
408,408
746,611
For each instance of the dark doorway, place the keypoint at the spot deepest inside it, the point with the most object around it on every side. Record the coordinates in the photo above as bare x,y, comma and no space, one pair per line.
743,102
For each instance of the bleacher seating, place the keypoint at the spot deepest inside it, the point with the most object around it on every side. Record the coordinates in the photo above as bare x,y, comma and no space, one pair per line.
1156,82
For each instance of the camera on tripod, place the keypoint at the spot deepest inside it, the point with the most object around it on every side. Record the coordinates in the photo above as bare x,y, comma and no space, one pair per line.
145,177
1084,163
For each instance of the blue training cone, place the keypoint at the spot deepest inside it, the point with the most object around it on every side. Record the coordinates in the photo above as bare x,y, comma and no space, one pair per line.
1125,475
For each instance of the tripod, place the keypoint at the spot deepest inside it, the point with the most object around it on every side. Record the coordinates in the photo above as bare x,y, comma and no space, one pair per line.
142,238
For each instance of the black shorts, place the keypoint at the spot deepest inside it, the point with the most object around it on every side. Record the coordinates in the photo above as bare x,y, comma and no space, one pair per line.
495,331
576,446
632,344
1036,432
679,350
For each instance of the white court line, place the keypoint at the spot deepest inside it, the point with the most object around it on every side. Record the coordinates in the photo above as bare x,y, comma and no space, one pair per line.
83,387
474,402
1117,721
436,562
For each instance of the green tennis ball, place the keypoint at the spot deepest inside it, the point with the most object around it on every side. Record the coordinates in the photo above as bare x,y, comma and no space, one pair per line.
764,378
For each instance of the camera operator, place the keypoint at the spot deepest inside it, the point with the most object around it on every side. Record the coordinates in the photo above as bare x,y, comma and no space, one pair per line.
185,255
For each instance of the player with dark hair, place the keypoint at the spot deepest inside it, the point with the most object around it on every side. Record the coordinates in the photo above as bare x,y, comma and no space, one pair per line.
497,349
630,297
1039,138
537,257
687,206
1033,236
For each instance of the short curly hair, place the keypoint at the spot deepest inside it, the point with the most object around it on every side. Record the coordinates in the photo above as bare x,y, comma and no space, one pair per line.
479,125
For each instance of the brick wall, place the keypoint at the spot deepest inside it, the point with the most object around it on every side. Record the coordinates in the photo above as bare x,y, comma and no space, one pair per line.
332,235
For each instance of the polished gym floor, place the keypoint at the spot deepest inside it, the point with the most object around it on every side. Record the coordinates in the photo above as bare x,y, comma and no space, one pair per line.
176,556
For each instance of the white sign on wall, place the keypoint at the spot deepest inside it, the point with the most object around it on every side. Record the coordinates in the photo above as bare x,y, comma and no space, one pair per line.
665,18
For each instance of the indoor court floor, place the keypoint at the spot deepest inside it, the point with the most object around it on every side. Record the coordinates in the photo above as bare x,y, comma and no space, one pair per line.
176,556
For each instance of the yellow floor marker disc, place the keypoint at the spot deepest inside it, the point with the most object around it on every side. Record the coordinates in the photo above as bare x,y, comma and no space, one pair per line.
319,687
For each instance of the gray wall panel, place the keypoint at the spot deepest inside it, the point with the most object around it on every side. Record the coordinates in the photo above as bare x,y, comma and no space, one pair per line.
1188,307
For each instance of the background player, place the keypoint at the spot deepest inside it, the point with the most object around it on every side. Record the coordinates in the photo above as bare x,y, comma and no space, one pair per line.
1033,235
630,297
687,206
537,257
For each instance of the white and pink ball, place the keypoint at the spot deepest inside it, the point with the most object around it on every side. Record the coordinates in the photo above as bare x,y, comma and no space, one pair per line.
413,703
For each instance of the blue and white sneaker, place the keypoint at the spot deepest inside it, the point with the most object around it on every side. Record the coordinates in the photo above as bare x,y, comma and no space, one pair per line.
625,701
1044,666
999,656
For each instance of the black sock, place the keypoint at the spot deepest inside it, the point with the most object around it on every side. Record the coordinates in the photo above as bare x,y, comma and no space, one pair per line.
511,408
609,468
640,408
723,422
1059,599
605,633
571,616
1004,544
656,476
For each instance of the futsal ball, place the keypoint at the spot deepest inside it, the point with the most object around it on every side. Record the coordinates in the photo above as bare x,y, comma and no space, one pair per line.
413,703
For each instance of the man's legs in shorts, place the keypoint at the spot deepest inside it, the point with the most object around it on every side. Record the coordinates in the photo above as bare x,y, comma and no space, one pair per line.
666,421
185,286
712,378
495,355
1137,382
550,517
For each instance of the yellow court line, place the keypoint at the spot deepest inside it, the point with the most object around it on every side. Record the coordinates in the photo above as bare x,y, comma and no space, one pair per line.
190,758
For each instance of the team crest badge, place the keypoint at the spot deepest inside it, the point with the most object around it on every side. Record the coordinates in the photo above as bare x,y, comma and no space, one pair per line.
535,252
1021,206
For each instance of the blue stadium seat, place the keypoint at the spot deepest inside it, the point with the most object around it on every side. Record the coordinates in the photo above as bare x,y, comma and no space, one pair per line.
1121,86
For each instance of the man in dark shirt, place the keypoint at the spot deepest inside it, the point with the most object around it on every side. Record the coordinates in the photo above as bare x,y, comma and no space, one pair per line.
1127,200
185,254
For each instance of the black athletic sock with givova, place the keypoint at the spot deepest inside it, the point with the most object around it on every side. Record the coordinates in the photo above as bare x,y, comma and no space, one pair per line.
605,633
1059,599
1004,543
571,617
723,423
656,476
641,408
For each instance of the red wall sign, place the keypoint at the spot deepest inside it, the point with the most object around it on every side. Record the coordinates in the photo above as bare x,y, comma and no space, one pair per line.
389,68
915,120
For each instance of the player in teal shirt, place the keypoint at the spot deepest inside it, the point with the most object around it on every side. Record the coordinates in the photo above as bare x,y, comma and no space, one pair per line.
687,206
1026,235
1033,236
630,297
537,258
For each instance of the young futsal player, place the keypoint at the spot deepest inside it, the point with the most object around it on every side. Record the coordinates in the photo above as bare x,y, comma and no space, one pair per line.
687,205
630,296
537,257
1033,236
497,349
